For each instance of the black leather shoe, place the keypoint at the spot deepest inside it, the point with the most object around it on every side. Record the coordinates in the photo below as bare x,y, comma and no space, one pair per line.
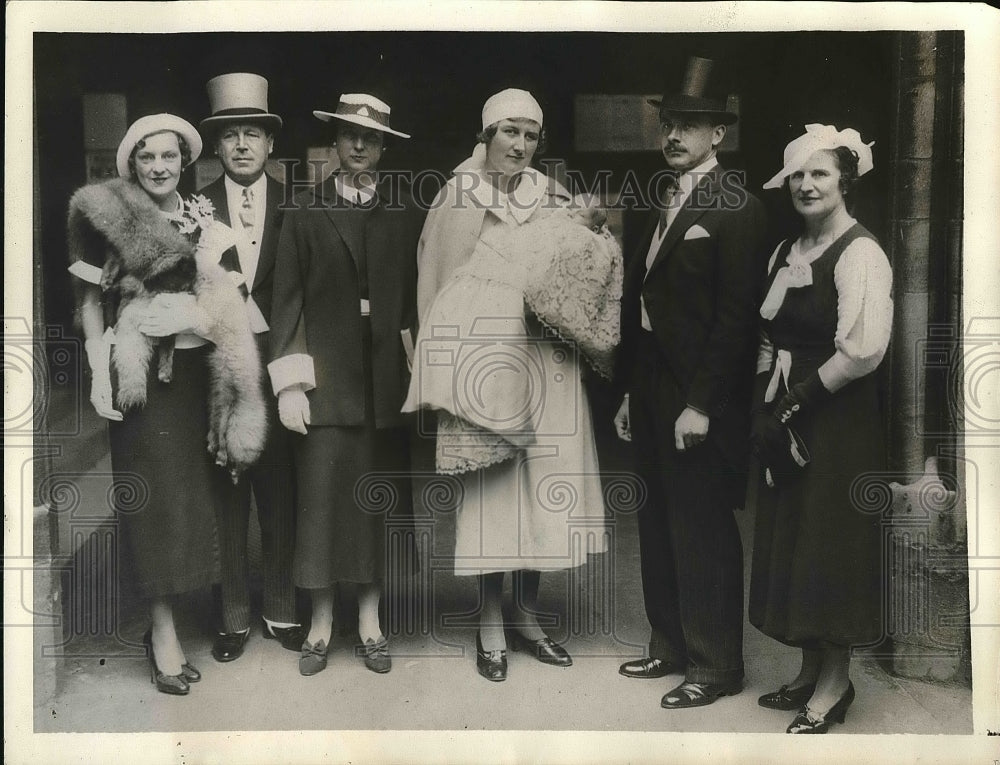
787,699
376,654
808,721
687,694
190,673
546,650
492,665
312,660
175,685
647,668
228,646
291,638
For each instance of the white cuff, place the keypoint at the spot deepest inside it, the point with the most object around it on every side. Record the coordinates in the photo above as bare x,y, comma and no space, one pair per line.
294,369
85,271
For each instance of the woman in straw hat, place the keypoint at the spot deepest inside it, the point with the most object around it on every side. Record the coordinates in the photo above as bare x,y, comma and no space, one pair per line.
345,278
513,417
147,263
816,580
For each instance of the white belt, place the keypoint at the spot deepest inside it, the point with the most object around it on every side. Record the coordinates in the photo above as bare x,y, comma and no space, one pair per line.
782,368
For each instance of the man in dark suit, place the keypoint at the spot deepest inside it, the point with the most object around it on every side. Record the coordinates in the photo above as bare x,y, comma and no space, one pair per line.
247,200
687,362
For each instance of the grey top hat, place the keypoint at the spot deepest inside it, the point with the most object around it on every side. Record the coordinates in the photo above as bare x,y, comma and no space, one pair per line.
239,97
698,94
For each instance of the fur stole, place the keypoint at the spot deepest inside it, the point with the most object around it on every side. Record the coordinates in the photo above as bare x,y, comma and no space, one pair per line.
143,254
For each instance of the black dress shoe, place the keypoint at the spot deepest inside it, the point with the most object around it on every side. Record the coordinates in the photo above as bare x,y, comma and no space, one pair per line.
291,638
175,685
546,650
647,668
190,673
228,646
787,699
376,653
808,721
491,665
688,694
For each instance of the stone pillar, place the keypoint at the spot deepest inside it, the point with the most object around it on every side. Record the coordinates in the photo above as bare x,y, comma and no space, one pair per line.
926,563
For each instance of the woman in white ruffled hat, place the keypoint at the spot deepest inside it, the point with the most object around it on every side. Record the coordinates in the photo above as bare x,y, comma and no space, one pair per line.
148,267
817,579
514,422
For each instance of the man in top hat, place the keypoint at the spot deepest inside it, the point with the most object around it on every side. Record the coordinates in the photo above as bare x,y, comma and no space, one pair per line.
687,363
247,200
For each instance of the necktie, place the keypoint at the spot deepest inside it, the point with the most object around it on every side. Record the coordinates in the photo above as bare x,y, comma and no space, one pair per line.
667,212
246,210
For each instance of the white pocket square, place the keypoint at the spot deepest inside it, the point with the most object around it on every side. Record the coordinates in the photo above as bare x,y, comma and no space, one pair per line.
696,232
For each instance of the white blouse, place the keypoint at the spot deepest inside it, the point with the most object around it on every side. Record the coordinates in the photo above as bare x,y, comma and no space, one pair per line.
863,279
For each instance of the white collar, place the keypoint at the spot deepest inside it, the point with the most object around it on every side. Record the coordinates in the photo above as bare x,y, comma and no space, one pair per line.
353,194
532,188
178,211
692,177
234,189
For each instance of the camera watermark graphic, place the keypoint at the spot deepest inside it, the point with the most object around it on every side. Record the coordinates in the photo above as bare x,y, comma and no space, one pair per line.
498,376
579,563
966,366
52,361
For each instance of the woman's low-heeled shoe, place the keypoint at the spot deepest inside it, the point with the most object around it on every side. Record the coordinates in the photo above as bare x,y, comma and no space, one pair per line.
376,653
808,721
176,685
493,664
190,672
787,699
313,658
546,650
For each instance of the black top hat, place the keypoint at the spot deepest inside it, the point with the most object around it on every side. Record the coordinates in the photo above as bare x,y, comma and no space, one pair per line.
239,97
698,94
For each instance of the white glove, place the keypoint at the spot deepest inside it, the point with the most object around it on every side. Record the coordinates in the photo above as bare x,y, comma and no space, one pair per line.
99,358
172,313
622,424
293,409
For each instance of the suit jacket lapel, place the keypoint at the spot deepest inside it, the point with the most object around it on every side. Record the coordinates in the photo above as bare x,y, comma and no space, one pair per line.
268,237
698,202
216,193
349,227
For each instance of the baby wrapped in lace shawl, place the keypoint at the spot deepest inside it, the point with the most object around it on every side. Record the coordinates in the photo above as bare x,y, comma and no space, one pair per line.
477,361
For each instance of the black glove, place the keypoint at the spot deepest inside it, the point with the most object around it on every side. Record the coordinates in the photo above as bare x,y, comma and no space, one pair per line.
768,433
801,397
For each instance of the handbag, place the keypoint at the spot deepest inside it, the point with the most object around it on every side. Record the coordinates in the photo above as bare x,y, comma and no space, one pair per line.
788,462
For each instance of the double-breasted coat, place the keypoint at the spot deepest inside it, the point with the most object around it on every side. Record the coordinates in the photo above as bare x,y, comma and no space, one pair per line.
345,290
700,296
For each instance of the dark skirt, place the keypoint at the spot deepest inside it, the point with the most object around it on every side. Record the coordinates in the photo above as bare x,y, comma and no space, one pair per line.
165,482
355,518
817,555
355,499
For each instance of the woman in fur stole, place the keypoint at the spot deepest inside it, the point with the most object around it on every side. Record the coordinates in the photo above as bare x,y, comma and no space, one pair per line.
513,416
149,272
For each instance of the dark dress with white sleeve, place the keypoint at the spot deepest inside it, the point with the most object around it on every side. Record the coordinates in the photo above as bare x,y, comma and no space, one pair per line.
817,564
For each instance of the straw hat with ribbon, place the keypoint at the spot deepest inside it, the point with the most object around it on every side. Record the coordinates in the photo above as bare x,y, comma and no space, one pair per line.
361,109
